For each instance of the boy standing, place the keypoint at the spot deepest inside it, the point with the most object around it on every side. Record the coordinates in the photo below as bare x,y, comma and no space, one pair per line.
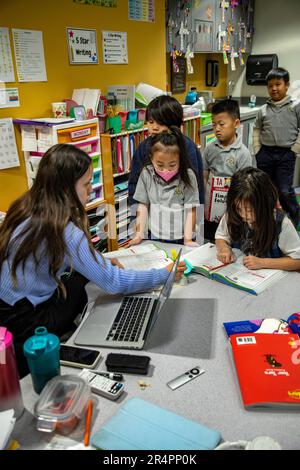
276,139
225,155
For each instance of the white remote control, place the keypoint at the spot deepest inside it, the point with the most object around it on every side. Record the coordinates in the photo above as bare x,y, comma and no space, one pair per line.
186,377
102,385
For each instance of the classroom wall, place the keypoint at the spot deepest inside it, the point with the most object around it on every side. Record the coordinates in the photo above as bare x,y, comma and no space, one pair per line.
276,26
146,57
197,79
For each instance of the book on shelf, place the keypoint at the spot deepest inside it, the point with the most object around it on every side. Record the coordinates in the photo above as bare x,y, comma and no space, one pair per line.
87,97
204,261
267,368
141,257
262,325
139,424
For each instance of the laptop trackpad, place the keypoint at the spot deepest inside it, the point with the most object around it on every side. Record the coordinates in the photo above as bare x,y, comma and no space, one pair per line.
185,327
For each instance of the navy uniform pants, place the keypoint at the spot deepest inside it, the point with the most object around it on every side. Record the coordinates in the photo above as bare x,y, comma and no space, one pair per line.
279,164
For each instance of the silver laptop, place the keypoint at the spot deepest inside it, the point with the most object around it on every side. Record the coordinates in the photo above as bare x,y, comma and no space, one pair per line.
124,322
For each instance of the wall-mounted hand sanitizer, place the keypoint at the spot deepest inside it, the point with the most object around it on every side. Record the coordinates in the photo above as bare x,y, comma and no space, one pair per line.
252,102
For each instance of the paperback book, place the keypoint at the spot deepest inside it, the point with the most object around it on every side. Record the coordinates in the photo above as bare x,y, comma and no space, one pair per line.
141,257
268,369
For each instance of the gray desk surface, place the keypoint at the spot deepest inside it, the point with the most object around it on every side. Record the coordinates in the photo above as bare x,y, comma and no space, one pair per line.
213,398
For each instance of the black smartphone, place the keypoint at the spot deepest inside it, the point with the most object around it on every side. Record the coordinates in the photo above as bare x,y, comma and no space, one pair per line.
78,357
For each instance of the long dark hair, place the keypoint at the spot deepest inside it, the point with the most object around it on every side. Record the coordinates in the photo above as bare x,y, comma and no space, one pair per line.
49,205
173,137
254,187
165,110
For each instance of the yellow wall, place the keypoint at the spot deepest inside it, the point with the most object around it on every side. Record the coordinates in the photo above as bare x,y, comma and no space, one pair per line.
146,57
197,79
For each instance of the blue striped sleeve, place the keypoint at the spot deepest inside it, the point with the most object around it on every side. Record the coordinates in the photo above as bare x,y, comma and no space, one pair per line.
106,276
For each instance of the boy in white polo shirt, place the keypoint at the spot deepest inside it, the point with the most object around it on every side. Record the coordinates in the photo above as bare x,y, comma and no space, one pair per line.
225,155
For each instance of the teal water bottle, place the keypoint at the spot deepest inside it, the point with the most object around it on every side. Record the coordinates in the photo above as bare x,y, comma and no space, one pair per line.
42,353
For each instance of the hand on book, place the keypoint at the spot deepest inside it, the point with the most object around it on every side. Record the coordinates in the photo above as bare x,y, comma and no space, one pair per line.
190,243
115,262
225,255
180,269
134,241
253,262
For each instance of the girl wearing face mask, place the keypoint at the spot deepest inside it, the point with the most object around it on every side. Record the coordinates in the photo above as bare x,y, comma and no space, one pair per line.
167,192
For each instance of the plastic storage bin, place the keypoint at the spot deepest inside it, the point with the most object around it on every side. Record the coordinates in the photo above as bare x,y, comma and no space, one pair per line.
62,404
206,118
88,147
95,160
97,177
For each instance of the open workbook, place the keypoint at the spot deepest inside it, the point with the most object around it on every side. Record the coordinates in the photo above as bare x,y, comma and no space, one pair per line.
204,261
141,257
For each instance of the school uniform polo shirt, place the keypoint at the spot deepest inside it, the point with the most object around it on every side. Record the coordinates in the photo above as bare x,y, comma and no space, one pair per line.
279,122
225,161
167,200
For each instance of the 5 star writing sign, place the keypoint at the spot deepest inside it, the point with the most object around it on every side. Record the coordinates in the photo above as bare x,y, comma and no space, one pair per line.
82,46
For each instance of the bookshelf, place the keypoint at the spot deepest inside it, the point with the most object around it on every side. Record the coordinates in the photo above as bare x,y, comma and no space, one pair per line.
39,136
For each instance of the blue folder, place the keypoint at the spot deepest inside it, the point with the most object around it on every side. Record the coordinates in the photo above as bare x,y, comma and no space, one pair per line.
140,425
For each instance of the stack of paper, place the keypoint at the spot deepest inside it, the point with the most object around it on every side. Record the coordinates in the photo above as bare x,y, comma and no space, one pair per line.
87,97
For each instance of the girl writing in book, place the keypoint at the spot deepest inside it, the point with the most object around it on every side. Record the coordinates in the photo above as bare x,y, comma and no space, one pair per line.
167,192
44,235
254,223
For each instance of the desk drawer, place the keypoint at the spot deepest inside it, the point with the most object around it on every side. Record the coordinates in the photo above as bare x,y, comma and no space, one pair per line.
88,147
75,134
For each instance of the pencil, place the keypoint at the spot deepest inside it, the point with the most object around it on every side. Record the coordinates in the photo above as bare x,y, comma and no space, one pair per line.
88,421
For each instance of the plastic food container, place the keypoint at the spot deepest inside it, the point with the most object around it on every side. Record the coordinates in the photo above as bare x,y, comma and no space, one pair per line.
62,404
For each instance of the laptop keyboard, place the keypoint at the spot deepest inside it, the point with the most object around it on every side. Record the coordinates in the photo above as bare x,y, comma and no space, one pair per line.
130,319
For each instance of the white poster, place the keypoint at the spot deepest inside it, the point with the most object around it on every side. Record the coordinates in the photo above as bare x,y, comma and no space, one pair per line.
8,149
29,54
114,47
82,46
6,64
9,98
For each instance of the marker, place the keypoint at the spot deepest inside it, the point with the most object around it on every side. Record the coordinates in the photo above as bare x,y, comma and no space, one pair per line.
109,375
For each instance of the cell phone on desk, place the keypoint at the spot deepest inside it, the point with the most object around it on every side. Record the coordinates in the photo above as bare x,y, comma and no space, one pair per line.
74,356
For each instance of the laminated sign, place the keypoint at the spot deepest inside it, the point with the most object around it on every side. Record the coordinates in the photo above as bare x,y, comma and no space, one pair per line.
217,196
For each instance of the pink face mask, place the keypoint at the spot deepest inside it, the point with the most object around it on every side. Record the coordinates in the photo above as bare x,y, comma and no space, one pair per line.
167,175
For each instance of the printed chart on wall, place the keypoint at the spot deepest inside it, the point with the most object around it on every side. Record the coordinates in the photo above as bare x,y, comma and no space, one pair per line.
6,63
141,10
82,46
114,45
8,149
9,98
29,54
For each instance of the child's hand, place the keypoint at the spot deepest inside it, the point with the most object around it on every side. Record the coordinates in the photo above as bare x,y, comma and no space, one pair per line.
190,243
225,255
253,262
180,269
135,241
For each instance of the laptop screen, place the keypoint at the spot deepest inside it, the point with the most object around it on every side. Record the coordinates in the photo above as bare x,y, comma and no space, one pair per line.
166,291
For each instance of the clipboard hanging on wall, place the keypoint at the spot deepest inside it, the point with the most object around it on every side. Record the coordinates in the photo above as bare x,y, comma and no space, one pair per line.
178,79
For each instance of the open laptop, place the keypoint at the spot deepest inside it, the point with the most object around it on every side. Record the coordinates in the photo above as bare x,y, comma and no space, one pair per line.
125,323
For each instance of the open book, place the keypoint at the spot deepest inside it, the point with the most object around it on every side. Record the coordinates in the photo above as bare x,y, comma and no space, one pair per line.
204,261
141,257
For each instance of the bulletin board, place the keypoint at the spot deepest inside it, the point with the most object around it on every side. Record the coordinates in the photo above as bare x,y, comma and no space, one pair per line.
178,79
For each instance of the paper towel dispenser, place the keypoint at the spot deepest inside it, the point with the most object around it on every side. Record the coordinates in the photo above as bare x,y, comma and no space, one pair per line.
258,66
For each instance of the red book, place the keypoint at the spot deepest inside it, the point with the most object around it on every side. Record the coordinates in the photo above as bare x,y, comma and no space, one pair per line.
268,369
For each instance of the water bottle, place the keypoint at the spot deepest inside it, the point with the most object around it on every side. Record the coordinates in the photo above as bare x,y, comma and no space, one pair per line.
10,391
42,353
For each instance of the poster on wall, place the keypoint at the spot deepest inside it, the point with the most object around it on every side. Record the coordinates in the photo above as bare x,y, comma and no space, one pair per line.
29,54
114,45
9,157
6,63
82,46
9,98
141,10
98,3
